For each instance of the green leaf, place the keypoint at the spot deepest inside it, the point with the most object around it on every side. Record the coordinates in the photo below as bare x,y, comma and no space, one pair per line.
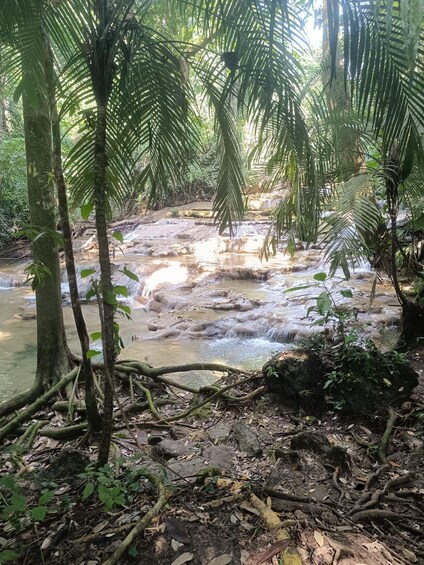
46,497
110,298
321,277
118,235
92,353
346,293
8,482
387,382
8,555
87,272
291,246
96,335
122,290
39,513
18,503
125,309
324,303
132,552
300,287
88,490
91,293
86,210
130,274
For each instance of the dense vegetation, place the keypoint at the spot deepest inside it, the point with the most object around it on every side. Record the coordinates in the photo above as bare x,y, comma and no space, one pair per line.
110,105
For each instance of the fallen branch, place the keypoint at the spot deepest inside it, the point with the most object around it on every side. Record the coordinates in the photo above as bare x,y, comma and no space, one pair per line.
163,497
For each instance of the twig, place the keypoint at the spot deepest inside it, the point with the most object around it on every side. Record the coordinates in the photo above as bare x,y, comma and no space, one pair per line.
163,497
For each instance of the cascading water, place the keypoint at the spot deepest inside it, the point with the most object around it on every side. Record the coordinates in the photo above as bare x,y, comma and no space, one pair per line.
200,297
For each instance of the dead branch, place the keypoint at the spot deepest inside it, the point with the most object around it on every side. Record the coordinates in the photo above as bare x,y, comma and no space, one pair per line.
163,497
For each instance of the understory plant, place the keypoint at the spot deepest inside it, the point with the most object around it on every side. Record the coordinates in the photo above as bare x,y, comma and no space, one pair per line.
359,378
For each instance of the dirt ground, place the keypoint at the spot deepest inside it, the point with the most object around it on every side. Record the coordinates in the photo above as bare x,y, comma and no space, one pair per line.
339,503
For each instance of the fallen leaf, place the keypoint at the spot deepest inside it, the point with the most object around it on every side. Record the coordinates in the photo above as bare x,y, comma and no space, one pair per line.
100,527
269,502
319,538
270,552
46,543
223,482
176,544
410,555
233,519
221,560
183,558
393,463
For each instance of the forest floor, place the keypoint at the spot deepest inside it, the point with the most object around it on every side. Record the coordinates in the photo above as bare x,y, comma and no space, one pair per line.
322,477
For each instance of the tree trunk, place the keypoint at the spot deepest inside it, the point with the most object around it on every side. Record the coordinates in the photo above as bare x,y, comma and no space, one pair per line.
412,324
52,352
107,296
93,416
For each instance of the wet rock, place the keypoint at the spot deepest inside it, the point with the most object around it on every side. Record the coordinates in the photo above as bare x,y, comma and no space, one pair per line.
297,376
170,449
218,456
310,441
317,443
247,440
220,432
297,474
214,457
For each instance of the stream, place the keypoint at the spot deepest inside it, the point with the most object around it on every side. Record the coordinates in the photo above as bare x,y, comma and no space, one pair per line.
200,297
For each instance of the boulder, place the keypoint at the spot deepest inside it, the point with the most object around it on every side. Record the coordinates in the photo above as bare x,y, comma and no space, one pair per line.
297,376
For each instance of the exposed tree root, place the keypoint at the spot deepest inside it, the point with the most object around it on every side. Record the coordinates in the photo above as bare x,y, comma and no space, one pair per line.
163,497
35,406
382,450
290,556
377,514
68,432
217,394
20,400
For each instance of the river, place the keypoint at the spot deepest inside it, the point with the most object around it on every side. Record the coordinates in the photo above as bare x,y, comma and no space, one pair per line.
201,297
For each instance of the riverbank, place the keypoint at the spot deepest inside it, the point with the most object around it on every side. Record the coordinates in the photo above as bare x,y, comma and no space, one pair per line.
322,478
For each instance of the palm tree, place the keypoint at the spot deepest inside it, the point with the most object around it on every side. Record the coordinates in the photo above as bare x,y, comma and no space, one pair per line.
132,85
384,85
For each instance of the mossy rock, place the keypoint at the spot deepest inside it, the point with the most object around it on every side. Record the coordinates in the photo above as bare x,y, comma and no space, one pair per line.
297,376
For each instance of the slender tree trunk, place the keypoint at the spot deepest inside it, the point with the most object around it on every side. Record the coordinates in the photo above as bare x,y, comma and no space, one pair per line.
412,320
52,352
93,416
107,295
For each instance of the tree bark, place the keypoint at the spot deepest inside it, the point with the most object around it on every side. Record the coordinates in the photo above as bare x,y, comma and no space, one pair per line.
93,416
107,296
52,352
